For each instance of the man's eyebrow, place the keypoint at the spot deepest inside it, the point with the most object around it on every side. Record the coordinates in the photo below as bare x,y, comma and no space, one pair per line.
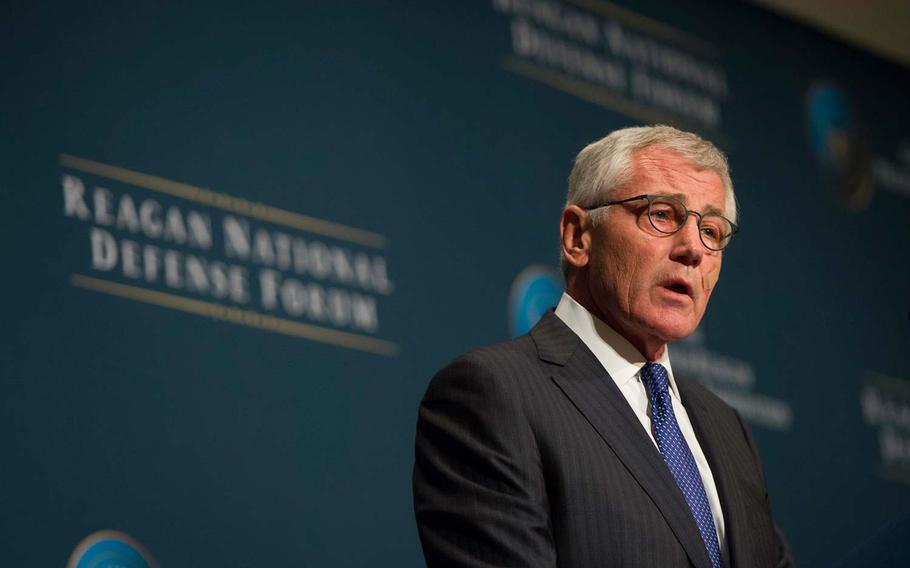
685,199
713,210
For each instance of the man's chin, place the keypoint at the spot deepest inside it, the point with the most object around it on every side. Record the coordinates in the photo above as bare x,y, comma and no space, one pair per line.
669,332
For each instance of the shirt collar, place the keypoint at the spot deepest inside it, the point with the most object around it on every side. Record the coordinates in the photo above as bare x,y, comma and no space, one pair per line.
619,358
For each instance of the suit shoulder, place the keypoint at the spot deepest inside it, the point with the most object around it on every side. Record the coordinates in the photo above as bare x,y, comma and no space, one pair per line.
491,365
518,351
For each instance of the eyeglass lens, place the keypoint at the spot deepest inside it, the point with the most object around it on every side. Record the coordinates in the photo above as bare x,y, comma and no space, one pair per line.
668,215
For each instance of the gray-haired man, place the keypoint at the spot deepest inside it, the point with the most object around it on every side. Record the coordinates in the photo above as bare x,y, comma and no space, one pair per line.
575,445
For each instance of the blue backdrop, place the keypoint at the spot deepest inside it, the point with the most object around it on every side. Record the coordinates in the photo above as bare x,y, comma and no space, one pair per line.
238,241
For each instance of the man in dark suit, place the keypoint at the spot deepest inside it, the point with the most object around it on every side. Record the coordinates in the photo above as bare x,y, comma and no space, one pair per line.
575,445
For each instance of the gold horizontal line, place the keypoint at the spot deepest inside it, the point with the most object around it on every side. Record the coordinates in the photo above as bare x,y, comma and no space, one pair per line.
655,27
226,202
583,90
236,315
602,97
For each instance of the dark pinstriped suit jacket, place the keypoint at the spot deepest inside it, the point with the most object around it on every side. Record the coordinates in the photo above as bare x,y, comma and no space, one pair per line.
527,454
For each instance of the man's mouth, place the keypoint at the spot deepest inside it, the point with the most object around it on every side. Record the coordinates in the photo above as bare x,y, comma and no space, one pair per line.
678,286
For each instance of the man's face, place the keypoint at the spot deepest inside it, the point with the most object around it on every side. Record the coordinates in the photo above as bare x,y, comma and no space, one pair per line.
651,287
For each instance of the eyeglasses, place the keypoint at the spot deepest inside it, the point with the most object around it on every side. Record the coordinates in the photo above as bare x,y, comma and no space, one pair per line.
668,215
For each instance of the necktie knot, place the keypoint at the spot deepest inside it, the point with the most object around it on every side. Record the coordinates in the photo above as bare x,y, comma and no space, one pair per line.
656,380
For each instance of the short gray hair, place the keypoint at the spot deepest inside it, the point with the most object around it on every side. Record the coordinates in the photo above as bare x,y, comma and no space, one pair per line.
604,166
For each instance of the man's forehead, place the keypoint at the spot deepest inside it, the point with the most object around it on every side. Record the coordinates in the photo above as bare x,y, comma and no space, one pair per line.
658,160
672,174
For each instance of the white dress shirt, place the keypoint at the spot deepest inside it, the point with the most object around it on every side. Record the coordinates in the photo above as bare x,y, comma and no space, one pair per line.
623,363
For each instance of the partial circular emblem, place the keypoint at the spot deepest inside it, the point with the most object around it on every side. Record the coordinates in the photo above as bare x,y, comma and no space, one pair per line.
535,290
110,549
843,160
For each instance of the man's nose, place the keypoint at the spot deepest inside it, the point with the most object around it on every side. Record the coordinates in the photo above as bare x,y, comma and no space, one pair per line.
688,248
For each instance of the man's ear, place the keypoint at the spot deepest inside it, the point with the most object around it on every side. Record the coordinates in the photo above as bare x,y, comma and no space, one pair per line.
575,235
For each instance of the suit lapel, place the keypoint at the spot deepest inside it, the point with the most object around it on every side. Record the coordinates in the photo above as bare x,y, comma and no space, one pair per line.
585,382
713,438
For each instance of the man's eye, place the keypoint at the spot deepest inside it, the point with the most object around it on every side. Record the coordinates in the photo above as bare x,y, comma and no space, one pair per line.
712,233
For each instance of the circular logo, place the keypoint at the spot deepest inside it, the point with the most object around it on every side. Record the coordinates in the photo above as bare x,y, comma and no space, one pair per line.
535,290
110,549
844,162
829,124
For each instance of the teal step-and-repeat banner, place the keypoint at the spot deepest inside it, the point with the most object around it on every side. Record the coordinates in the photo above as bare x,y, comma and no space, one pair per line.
238,240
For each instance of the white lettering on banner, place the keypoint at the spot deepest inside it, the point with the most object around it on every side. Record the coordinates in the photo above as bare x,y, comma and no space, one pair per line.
895,447
616,58
567,20
104,250
531,42
102,201
159,245
894,175
179,227
127,216
150,219
645,51
733,380
676,99
171,268
885,404
337,306
305,257
74,198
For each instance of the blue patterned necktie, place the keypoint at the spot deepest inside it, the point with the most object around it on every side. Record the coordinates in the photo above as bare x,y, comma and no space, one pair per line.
678,456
